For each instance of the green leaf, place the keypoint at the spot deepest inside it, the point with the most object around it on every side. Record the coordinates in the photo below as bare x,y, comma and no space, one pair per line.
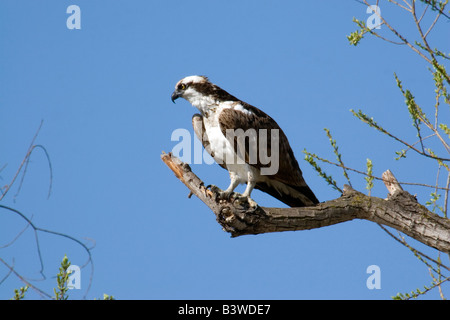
309,157
365,118
357,35
414,110
338,154
62,279
369,178
445,128
19,294
400,154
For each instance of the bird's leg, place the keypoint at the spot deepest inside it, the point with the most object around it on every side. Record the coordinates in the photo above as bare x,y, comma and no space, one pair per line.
225,195
248,190
251,182
233,184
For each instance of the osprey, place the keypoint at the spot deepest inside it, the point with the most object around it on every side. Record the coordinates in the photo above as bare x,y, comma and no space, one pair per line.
221,116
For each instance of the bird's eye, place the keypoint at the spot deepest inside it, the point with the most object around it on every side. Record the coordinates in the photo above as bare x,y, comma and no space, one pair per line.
182,86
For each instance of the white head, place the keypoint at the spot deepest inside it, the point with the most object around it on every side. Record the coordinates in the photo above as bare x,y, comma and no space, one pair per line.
200,92
189,88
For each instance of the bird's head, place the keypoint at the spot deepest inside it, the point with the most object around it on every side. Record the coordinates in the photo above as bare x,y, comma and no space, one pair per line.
191,88
200,92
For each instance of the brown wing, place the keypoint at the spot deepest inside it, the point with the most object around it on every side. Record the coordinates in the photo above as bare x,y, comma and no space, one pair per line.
289,173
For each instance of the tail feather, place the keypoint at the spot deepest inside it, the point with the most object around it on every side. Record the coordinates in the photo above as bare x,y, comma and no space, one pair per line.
298,196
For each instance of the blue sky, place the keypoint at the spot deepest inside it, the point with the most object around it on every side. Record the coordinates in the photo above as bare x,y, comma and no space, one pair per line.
103,93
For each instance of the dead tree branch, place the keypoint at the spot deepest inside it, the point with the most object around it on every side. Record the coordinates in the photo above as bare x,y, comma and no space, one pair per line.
400,211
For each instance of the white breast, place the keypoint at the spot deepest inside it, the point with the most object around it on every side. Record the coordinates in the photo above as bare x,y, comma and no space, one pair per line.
222,149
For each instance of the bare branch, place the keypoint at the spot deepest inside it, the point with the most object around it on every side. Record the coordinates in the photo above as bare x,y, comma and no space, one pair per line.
25,163
423,13
401,6
415,251
432,24
11,270
38,229
400,211
446,196
404,40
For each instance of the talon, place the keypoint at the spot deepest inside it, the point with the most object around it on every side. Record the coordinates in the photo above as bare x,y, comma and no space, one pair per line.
225,195
245,199
241,198
212,188
252,203
209,186
215,190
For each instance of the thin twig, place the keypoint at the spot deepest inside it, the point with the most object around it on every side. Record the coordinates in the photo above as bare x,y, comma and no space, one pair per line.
432,24
441,11
26,167
37,229
378,178
403,242
17,236
446,196
365,119
401,6
25,159
400,36
423,13
42,293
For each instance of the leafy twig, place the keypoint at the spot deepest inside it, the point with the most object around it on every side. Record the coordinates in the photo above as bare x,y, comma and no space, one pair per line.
338,155
309,157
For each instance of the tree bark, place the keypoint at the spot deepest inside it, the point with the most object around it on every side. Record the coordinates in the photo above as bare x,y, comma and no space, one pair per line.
400,211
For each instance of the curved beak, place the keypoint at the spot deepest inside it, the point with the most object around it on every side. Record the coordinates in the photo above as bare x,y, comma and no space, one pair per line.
175,96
